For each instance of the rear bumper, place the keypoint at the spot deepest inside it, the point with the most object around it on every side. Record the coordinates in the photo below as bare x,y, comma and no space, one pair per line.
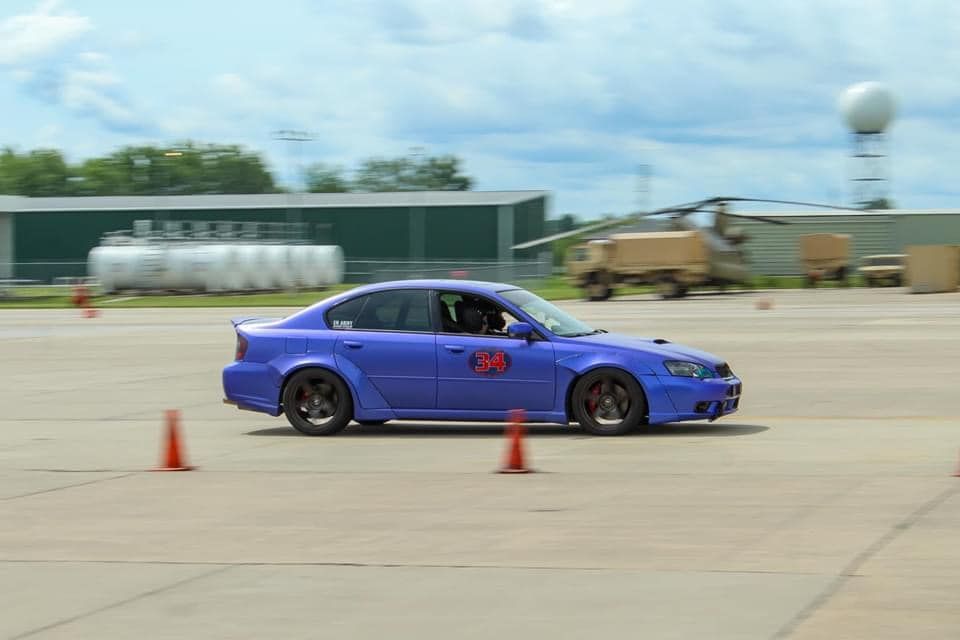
696,399
250,386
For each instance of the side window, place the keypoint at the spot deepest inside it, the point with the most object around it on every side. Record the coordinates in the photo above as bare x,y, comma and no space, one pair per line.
345,314
401,310
466,313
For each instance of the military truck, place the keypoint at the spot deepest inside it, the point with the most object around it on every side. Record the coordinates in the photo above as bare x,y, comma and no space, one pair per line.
674,261
883,269
825,256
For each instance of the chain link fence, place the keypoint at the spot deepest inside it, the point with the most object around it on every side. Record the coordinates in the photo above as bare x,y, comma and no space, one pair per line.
364,271
40,275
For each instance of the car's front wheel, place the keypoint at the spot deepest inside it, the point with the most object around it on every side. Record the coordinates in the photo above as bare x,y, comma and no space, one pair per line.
608,402
317,402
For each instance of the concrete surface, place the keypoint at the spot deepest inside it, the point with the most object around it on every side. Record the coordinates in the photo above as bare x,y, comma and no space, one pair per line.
825,509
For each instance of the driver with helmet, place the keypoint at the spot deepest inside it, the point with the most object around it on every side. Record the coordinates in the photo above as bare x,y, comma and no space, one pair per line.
479,317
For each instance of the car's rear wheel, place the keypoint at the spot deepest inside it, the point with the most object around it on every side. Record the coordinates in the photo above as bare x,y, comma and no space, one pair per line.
317,402
608,402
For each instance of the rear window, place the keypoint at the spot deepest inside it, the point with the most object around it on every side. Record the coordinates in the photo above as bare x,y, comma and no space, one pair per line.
344,315
402,310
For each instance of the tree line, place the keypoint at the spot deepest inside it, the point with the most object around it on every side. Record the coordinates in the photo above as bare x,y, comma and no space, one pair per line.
191,168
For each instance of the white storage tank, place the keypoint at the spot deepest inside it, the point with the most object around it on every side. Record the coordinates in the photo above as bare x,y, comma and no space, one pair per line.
328,262
278,265
256,273
312,268
126,266
187,267
300,256
226,273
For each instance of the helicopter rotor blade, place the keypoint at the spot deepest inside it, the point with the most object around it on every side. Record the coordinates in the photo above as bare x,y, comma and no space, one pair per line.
681,210
606,224
757,218
818,205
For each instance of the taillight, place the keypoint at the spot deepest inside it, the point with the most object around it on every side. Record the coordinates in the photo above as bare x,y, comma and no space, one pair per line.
241,347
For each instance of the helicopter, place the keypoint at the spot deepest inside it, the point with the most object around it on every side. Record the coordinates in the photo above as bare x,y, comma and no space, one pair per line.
683,254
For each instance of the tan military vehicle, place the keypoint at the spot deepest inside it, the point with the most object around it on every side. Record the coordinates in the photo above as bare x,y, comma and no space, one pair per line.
884,269
686,253
825,256
674,261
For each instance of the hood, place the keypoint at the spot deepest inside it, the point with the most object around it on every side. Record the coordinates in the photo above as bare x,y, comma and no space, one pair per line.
652,346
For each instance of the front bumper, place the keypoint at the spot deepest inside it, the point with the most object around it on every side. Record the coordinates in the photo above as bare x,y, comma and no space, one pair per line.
696,399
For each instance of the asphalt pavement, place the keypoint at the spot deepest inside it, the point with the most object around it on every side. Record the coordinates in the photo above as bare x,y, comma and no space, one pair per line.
826,508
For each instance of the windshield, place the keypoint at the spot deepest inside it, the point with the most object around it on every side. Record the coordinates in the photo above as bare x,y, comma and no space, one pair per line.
885,261
555,320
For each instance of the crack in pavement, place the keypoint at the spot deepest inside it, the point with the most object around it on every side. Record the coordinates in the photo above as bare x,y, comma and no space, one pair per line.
853,567
68,486
400,565
120,603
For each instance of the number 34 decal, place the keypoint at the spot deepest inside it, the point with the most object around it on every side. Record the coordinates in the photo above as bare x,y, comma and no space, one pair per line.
489,363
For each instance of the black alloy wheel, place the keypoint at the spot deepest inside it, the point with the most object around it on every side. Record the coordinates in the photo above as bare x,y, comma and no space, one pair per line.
317,403
608,402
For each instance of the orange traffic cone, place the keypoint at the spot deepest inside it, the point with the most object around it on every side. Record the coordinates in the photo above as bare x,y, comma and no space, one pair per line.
173,459
514,463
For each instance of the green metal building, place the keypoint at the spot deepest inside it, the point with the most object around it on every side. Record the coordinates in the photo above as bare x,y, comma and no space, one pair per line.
421,226
775,249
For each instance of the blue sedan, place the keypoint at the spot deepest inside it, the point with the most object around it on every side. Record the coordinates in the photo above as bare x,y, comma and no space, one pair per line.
459,350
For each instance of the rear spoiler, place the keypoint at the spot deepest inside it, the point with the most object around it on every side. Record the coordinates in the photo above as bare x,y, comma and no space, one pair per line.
236,322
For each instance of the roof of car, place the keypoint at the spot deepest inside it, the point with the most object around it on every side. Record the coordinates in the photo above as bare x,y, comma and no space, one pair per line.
472,286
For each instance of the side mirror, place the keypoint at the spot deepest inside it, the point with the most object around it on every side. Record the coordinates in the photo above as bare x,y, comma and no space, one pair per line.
522,330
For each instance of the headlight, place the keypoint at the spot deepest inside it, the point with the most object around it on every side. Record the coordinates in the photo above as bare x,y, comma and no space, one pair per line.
688,369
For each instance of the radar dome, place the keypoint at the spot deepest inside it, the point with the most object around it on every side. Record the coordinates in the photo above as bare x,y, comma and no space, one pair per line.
868,107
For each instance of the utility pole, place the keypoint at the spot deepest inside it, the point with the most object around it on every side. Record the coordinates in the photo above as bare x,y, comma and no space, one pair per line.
294,140
643,187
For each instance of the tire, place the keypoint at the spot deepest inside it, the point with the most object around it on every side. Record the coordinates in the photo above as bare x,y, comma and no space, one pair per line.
842,277
669,288
597,288
317,402
596,292
590,395
370,423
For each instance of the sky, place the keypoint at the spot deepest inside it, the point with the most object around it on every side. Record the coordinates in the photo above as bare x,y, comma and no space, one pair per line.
713,97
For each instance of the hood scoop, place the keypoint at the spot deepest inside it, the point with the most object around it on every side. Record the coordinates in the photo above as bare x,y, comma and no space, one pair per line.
660,341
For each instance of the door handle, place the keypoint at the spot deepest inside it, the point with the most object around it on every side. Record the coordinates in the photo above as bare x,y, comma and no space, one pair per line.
352,344
453,348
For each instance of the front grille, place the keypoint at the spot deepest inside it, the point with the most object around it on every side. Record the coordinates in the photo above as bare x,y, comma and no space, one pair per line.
723,370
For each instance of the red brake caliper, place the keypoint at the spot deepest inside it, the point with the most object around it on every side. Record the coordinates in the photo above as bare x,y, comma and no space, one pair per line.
594,395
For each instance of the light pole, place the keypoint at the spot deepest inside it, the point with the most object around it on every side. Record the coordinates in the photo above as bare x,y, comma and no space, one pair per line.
643,187
294,140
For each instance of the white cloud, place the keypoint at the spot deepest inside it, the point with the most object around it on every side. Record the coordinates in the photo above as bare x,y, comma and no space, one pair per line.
233,86
719,96
82,93
49,53
27,37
